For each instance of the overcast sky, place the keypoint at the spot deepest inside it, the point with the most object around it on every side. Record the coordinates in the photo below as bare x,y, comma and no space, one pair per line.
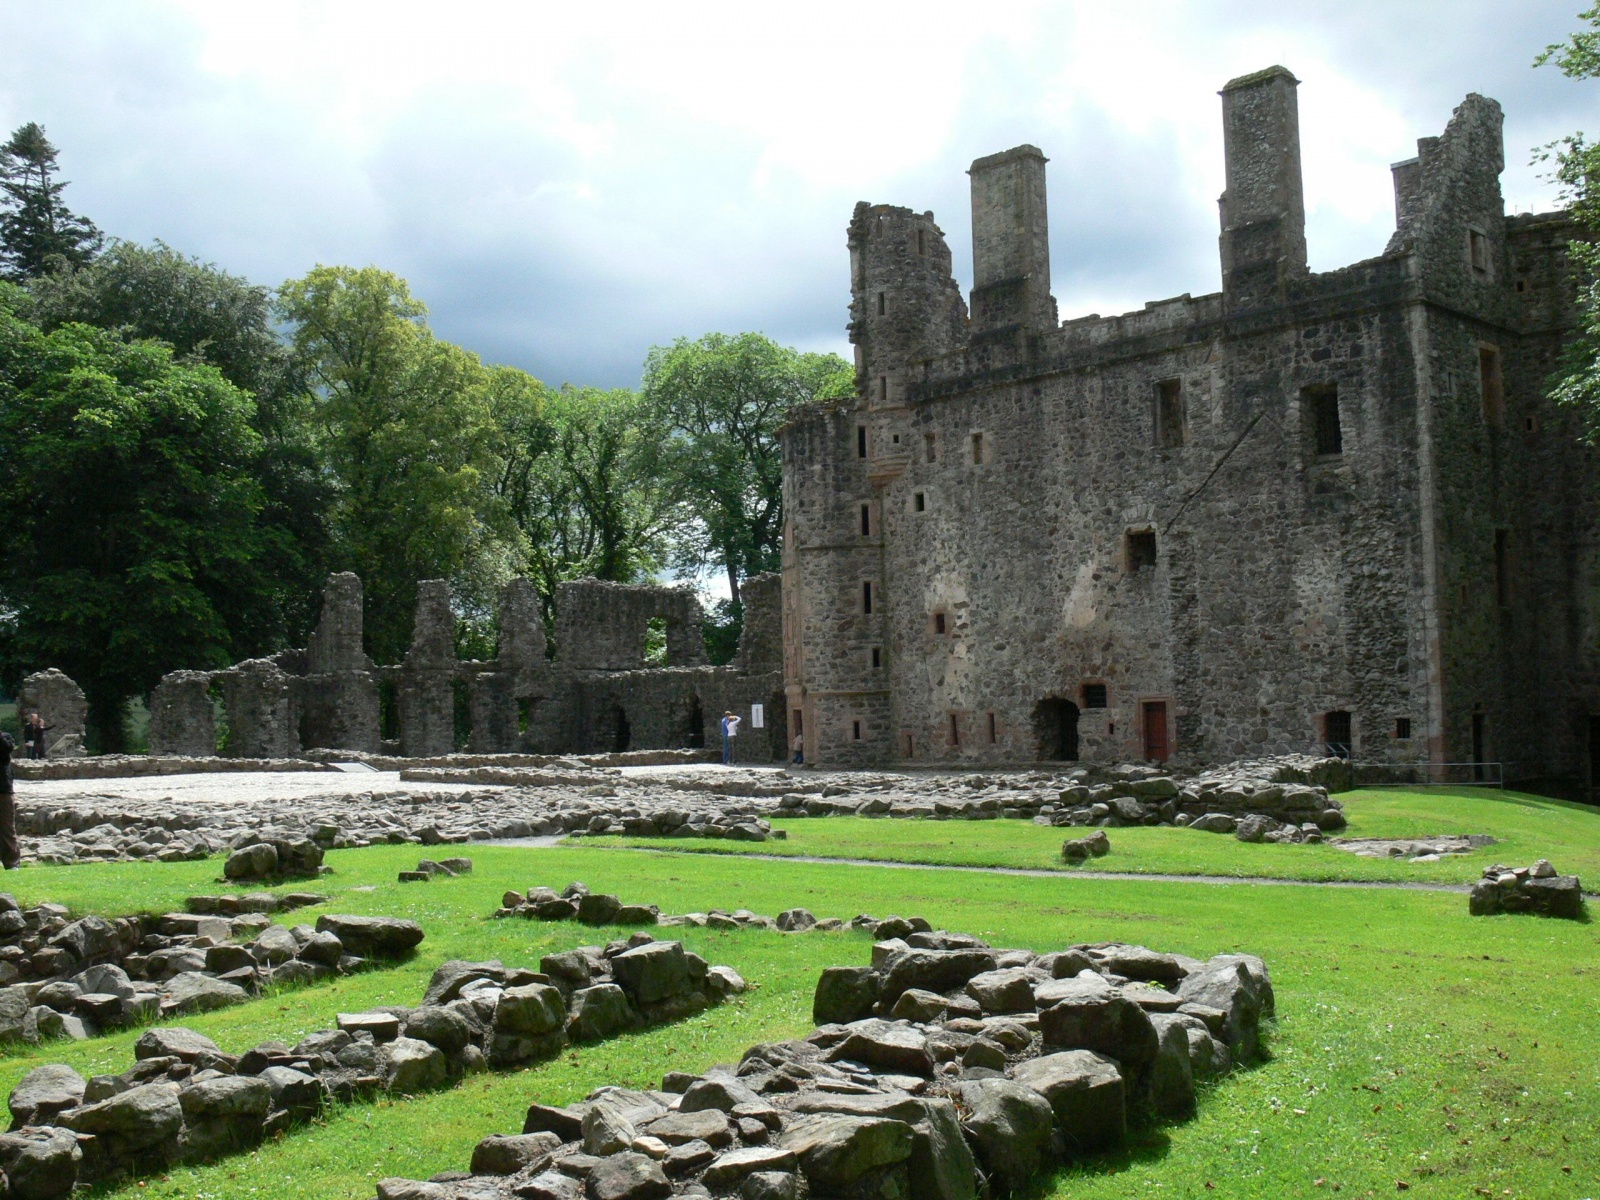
567,185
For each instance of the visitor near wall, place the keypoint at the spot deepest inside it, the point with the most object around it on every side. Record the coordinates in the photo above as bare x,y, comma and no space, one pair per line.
799,749
33,731
10,851
730,730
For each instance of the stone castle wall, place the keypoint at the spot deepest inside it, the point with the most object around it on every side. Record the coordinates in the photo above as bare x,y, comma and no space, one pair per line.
1242,519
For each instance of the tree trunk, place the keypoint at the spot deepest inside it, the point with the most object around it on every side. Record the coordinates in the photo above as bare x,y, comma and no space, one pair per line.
733,581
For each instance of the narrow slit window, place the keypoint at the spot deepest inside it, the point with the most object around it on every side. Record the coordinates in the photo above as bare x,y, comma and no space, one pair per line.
911,745
938,623
866,598
955,730
919,502
866,520
855,731
883,304
1478,247
1322,406
931,445
1169,413
994,732
877,658
977,448
883,389
1492,381
1502,567
861,441
922,243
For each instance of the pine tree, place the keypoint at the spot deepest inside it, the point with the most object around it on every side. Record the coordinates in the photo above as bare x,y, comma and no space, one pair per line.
38,233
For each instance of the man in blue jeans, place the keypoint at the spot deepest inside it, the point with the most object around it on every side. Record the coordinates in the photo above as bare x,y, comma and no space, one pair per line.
730,730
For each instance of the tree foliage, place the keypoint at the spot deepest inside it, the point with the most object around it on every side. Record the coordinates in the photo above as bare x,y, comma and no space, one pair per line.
581,486
208,315
1577,171
411,431
128,491
717,404
38,233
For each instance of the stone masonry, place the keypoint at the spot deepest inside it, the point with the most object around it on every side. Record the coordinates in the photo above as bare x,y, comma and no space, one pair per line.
1309,513
598,693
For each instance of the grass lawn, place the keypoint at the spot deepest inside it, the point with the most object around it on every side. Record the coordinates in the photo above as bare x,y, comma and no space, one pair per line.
1414,1044
1529,828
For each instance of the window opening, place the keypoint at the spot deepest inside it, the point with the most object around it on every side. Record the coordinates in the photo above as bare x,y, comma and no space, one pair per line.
1336,734
1094,695
882,305
911,745
1169,413
883,389
919,502
877,658
388,710
461,705
1055,729
866,598
1323,404
861,441
938,623
1530,424
1141,549
922,243
1492,382
1502,567
955,730
994,732
526,705
1478,242
1155,730
866,520
1402,729
655,642
977,448
855,731
929,443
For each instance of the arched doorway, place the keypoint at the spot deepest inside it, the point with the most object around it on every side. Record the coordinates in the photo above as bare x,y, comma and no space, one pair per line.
1055,729
691,724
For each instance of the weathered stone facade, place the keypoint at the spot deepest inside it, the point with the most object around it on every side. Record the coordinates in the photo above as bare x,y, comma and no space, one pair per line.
60,703
1308,510
598,693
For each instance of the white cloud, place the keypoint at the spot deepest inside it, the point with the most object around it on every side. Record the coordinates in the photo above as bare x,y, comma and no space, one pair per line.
566,185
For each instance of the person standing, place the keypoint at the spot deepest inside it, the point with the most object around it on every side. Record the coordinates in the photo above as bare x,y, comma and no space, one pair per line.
33,731
799,749
10,851
730,730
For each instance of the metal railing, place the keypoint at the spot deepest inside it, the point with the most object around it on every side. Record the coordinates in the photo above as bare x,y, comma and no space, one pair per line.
1419,774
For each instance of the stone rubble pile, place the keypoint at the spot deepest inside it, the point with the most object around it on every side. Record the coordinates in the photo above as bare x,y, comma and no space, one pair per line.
1265,800
1094,845
185,1100
275,858
76,979
946,1070
427,869
1430,849
576,902
1537,889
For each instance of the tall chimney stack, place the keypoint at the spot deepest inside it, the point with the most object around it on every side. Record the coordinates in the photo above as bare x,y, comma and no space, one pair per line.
1010,243
1263,209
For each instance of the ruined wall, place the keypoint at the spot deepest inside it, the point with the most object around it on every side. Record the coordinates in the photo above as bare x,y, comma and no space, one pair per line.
61,703
1239,513
602,626
183,716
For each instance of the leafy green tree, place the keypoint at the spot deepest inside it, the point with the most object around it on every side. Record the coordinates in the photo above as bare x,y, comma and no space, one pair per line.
38,233
1577,170
132,513
411,430
207,315
583,490
718,403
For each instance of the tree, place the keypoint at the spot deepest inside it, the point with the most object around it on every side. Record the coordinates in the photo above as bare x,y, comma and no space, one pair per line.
38,233
131,511
582,488
1577,160
718,403
207,315
411,432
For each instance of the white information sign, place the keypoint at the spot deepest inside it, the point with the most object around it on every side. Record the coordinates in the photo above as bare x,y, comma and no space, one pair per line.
758,716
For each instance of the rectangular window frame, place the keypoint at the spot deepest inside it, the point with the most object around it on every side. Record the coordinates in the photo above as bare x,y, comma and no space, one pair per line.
1171,416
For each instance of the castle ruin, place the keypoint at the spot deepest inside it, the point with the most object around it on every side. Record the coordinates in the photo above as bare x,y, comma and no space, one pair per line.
1309,512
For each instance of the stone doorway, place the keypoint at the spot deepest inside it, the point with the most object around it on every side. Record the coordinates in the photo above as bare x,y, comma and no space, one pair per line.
1055,729
621,731
691,724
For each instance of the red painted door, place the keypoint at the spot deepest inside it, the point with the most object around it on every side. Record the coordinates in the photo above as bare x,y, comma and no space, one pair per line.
1155,730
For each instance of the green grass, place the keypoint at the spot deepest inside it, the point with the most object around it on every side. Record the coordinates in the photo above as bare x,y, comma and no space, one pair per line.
1529,828
1413,1043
